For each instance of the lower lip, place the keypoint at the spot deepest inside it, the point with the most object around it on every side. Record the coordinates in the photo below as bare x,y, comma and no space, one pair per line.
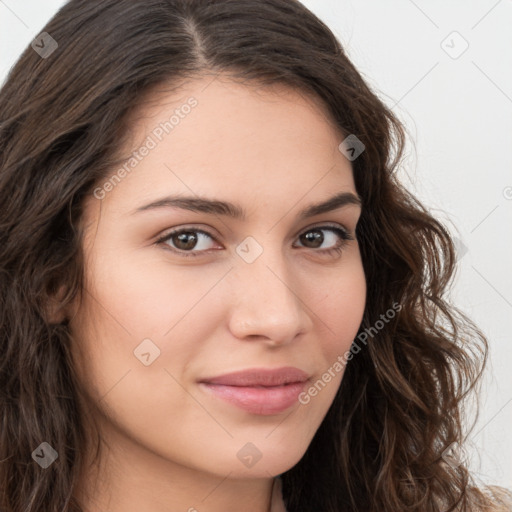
259,400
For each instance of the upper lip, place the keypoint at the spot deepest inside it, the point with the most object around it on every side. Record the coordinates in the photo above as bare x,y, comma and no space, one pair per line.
260,377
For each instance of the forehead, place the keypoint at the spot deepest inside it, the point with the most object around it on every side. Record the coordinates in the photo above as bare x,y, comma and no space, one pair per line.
214,135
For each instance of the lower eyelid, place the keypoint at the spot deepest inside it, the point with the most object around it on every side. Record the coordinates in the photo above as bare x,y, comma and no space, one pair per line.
343,234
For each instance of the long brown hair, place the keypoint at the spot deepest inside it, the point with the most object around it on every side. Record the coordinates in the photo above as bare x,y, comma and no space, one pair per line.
381,445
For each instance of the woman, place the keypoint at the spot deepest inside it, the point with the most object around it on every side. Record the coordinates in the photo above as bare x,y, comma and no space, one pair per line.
215,293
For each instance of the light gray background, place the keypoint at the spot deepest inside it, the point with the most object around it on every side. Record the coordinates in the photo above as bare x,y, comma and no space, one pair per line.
458,112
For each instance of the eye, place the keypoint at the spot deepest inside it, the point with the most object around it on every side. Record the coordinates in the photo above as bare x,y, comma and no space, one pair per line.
315,236
182,241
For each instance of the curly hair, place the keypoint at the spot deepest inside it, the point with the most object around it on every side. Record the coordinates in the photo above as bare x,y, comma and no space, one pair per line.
63,118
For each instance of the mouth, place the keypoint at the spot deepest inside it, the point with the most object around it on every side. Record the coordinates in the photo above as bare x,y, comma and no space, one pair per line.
258,391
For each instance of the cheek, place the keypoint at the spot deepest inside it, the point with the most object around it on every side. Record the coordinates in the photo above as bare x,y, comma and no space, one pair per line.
123,325
178,308
149,297
339,309
143,312
342,307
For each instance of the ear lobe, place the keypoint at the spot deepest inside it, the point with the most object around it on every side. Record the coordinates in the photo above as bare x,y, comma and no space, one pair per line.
55,312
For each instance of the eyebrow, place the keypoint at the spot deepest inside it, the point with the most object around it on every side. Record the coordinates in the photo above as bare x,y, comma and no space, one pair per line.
235,211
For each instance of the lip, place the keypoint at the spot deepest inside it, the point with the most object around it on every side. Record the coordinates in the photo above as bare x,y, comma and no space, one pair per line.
261,391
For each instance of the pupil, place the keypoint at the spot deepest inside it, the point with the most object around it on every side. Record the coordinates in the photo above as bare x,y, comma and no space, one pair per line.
314,236
189,239
182,237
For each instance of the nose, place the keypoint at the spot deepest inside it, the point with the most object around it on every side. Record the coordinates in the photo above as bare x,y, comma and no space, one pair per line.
267,302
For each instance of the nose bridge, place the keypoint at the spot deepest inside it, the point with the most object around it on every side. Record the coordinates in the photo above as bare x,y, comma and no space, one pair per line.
267,301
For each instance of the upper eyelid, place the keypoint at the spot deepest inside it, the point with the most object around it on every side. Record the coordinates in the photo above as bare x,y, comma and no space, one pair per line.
205,231
325,225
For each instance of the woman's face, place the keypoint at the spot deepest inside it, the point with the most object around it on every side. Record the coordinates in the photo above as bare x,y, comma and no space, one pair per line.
229,294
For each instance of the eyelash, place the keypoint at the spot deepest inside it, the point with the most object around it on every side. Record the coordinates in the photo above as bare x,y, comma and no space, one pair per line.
344,235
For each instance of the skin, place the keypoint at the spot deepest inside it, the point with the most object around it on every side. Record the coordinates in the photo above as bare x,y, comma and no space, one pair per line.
171,446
